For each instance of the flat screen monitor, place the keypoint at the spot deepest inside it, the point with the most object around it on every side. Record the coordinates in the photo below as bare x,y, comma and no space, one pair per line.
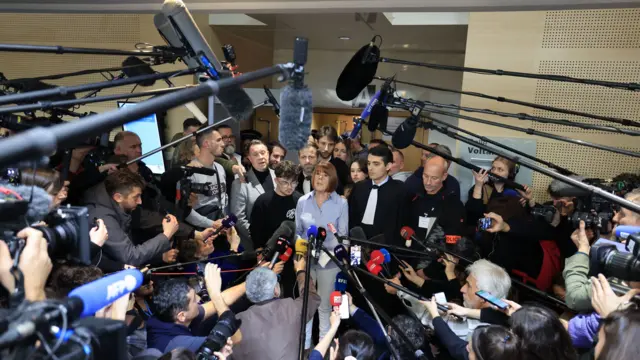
149,132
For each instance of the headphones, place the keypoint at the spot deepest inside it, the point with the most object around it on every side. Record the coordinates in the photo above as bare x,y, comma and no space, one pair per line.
516,169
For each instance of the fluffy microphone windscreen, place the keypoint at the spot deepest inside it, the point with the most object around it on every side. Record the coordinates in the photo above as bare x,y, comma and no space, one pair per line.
235,100
404,134
296,108
39,205
378,118
356,76
357,233
133,66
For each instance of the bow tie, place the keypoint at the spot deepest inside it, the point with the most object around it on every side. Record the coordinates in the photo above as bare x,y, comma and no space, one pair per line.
376,187
307,178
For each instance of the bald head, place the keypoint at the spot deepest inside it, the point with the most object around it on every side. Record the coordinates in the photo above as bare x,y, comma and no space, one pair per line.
434,174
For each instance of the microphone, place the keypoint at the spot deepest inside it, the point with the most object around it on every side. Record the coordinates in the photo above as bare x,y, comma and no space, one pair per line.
227,223
358,73
272,100
334,231
133,66
102,292
198,170
342,254
281,246
302,246
180,31
408,235
379,112
357,126
374,268
404,134
386,254
357,233
336,298
377,257
341,283
287,230
624,231
297,104
286,255
322,234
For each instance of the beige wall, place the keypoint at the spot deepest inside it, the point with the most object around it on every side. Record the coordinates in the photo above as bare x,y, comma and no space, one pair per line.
596,44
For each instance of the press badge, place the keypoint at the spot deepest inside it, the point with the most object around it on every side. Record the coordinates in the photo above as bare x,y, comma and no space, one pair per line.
426,222
356,255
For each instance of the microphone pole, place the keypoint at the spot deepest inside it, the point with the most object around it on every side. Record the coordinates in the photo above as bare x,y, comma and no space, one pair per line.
609,84
45,105
345,269
48,49
518,102
460,162
178,141
305,301
69,74
64,90
40,142
593,190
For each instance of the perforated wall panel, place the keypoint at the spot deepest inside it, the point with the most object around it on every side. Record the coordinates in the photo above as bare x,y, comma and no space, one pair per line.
71,28
613,29
581,160
587,98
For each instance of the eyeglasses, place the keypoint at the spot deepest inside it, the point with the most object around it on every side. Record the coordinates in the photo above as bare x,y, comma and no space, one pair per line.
283,182
228,137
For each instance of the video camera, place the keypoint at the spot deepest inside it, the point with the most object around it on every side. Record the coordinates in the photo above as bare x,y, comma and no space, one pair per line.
616,259
187,186
596,213
226,326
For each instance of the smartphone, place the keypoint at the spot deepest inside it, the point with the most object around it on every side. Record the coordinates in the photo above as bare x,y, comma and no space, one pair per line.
484,224
492,299
344,307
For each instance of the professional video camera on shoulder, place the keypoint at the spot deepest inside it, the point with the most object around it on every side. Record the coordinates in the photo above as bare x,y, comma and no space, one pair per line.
616,259
576,205
206,189
24,204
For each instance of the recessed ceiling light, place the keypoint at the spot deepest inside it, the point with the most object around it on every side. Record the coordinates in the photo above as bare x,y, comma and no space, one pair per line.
405,46
344,38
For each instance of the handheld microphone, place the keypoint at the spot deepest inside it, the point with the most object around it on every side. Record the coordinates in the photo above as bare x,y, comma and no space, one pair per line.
365,114
624,231
374,268
334,231
357,126
322,234
287,229
281,246
379,112
336,298
377,257
272,100
227,223
286,255
408,235
198,170
180,31
341,283
302,246
297,104
102,292
386,254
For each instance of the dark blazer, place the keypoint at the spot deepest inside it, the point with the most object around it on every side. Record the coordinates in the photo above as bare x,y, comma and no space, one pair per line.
392,201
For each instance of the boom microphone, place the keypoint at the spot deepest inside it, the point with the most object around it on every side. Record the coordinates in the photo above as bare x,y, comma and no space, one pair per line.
133,66
180,31
404,134
297,104
379,112
102,292
272,100
37,206
358,73
287,230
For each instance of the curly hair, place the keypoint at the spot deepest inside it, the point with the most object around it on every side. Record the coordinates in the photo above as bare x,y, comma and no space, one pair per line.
170,298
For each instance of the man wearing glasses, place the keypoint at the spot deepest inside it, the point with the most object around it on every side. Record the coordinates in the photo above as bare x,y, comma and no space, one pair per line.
229,140
274,207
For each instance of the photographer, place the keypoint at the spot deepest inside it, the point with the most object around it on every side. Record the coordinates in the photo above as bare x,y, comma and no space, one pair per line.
113,202
578,296
34,264
177,312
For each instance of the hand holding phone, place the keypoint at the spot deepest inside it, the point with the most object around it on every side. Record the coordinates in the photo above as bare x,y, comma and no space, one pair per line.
493,300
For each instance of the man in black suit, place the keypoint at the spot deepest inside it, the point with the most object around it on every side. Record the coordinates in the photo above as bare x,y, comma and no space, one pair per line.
308,157
377,204
327,139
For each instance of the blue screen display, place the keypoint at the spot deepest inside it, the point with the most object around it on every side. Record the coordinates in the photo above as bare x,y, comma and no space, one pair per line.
149,132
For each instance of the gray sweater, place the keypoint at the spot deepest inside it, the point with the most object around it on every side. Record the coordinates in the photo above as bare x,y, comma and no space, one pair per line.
220,198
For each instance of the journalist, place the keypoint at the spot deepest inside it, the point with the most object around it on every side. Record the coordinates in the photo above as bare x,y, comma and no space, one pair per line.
113,201
576,271
271,327
177,312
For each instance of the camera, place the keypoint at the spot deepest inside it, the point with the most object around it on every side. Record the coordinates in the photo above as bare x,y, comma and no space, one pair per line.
67,234
544,212
614,259
206,189
596,213
226,326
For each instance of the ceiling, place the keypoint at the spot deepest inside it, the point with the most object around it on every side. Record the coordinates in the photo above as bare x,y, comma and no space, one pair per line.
309,6
324,31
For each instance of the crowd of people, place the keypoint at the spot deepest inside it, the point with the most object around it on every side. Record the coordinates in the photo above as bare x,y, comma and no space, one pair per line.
336,182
